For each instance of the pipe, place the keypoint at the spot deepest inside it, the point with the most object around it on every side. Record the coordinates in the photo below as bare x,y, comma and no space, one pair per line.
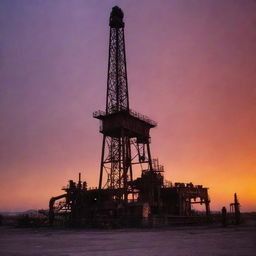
51,207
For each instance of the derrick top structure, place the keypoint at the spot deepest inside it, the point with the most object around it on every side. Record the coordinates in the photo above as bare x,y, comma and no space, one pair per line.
116,18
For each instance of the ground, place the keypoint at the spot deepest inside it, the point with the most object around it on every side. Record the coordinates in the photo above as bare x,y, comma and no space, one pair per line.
172,241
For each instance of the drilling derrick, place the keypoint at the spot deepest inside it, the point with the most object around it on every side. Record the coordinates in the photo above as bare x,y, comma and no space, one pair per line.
125,145
121,127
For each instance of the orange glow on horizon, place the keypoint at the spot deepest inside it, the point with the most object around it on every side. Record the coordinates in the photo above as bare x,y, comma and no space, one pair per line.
191,67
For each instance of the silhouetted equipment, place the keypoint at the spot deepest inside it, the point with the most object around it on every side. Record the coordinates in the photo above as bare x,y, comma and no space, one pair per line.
235,209
120,199
224,216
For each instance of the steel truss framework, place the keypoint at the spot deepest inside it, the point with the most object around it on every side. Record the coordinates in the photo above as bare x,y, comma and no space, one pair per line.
117,88
118,157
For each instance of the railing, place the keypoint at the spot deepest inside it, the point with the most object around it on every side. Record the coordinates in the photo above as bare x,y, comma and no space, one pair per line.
142,117
98,113
133,113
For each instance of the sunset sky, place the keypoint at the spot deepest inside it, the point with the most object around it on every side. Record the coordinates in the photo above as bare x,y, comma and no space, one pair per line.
191,67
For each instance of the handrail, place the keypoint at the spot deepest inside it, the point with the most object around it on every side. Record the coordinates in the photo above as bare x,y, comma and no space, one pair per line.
98,113
133,113
142,117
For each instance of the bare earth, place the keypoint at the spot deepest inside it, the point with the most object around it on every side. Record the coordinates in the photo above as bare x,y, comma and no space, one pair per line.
172,241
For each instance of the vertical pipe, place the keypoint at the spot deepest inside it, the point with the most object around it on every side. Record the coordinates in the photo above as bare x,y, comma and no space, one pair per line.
102,161
124,162
149,156
79,185
207,206
237,210
112,165
120,176
130,158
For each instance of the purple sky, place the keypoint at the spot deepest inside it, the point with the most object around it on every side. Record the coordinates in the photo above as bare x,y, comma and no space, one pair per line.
191,67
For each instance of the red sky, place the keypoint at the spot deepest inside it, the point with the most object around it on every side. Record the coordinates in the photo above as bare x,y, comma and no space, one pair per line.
191,67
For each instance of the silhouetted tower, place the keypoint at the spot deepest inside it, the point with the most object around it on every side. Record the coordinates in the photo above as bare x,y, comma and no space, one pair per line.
121,127
235,209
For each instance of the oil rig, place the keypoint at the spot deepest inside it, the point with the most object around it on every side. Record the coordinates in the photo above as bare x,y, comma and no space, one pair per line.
120,198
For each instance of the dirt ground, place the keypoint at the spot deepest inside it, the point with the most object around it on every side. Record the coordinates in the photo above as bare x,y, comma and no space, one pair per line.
233,240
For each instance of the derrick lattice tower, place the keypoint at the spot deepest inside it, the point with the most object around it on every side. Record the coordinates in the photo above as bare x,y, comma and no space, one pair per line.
125,132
